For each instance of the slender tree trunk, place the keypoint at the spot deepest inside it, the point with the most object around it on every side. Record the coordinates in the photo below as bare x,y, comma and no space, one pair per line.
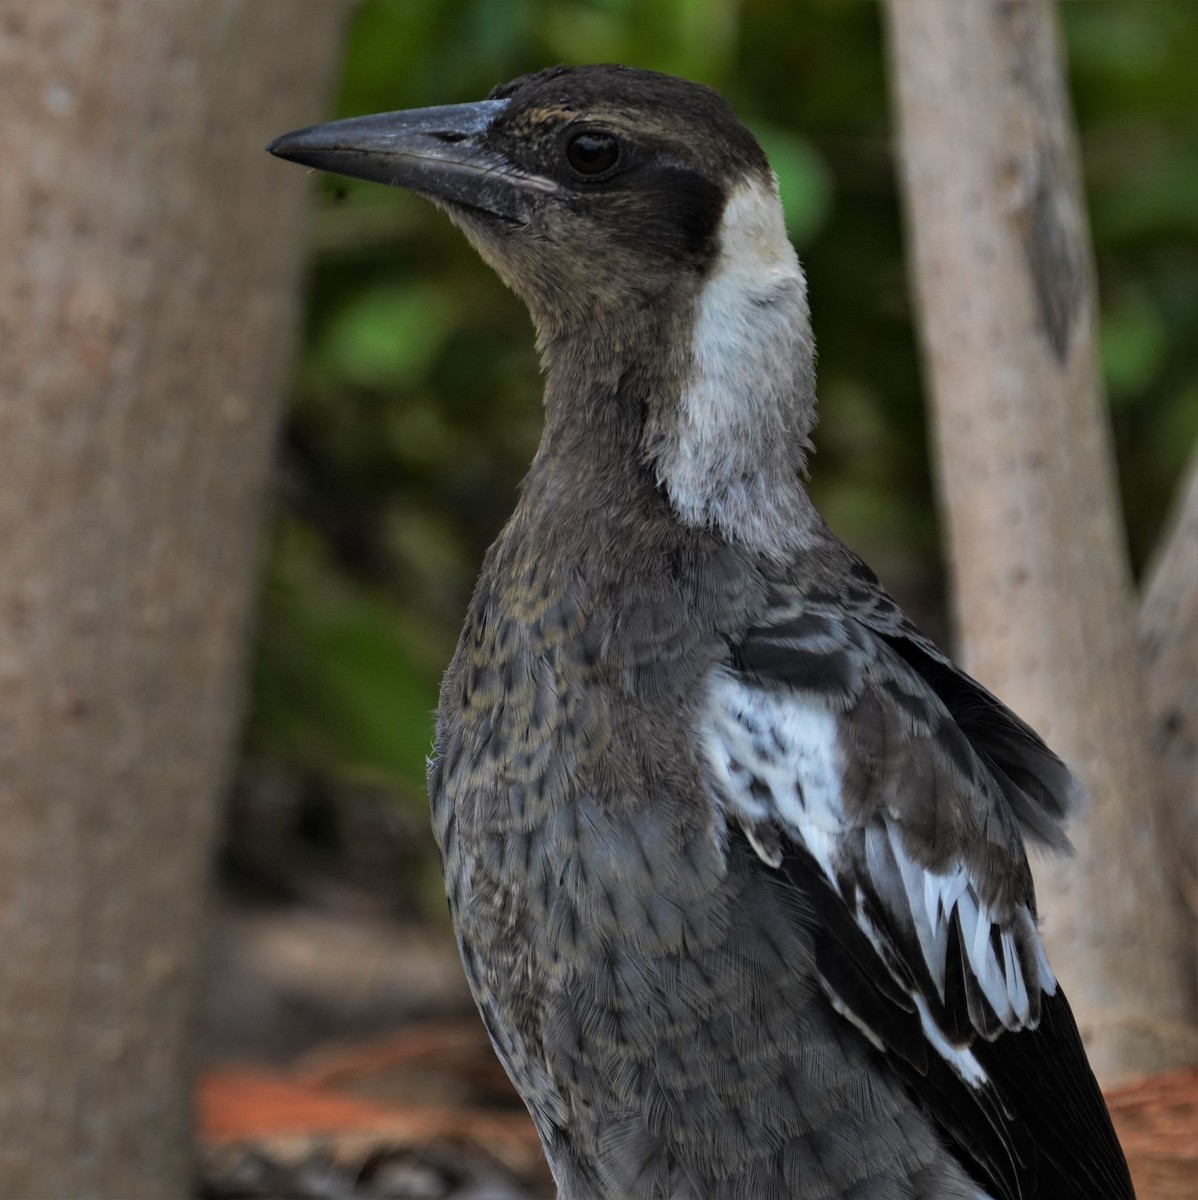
1169,632
1004,281
149,252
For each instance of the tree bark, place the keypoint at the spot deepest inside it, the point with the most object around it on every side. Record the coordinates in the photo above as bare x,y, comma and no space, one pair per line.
1169,635
1004,283
147,301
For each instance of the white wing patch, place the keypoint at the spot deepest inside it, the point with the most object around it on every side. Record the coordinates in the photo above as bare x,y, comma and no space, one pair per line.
932,898
775,759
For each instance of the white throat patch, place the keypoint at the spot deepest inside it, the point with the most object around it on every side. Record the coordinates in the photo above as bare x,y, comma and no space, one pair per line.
731,455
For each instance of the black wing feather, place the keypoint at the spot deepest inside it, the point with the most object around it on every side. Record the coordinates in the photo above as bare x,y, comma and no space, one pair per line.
978,1129
1041,790
1036,1126
1049,1087
1039,1130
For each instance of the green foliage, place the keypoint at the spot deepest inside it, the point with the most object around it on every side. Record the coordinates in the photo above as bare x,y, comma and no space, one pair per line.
1137,99
416,404
341,673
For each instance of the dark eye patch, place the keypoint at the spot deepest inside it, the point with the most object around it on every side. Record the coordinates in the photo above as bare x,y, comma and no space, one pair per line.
671,209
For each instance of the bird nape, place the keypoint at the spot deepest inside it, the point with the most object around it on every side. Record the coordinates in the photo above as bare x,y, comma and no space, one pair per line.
735,856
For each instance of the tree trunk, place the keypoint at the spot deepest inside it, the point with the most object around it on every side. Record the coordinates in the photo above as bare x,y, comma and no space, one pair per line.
1169,633
1004,281
147,301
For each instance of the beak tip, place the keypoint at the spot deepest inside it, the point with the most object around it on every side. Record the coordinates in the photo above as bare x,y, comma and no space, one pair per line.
283,146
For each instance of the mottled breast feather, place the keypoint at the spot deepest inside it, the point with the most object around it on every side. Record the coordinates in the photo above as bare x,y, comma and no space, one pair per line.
652,991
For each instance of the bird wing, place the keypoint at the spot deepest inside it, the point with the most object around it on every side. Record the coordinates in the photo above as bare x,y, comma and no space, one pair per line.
896,793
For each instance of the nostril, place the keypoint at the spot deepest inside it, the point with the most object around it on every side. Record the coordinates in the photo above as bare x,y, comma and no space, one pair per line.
448,135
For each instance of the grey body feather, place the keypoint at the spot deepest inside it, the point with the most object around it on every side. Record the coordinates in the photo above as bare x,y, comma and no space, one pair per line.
652,989
649,980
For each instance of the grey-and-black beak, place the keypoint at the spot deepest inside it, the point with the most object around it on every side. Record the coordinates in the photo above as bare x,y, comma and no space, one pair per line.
438,152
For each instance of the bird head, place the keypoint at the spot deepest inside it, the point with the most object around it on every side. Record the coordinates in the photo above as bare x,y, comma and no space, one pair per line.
586,188
638,219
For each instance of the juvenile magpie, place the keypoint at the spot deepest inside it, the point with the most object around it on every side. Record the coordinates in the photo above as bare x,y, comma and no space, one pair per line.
735,855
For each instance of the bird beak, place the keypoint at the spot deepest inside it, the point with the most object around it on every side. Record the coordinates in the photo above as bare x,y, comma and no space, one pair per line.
437,152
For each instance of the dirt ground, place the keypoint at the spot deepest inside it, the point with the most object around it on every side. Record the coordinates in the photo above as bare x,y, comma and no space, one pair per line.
342,1054
344,1060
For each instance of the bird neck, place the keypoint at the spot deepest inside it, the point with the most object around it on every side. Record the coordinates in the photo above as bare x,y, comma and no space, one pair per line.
706,396
600,385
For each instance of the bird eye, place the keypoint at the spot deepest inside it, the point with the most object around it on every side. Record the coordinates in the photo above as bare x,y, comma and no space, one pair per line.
592,153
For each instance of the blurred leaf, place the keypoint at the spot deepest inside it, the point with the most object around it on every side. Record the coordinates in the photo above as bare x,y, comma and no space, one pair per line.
694,38
389,333
1118,40
1153,197
804,181
343,685
1134,343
